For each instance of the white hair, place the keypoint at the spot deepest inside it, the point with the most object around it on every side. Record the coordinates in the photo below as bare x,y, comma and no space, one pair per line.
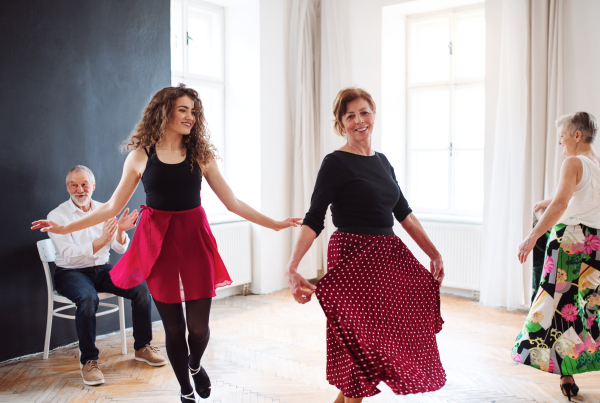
79,168
584,122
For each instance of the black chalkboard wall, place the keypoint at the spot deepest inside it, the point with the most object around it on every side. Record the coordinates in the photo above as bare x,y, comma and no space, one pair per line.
74,78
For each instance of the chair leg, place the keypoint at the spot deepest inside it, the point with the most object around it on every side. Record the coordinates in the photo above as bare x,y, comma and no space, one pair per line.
122,325
48,328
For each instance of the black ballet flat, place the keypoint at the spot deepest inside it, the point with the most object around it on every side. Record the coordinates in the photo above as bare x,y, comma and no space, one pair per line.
201,381
569,389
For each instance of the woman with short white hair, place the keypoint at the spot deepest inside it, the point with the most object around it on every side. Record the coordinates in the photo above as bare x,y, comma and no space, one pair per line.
561,334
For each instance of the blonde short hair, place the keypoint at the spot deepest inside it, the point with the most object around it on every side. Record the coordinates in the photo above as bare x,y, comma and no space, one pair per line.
582,121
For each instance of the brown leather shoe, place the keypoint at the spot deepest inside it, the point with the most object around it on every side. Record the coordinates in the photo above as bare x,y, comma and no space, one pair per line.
150,355
91,373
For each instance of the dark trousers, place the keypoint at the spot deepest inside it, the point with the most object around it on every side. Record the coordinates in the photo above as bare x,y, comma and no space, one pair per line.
82,287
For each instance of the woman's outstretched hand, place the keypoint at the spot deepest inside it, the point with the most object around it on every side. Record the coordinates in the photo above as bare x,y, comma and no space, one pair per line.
49,226
288,222
436,266
525,248
297,285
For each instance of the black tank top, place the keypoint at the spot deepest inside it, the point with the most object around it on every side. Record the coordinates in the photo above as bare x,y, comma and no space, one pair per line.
171,187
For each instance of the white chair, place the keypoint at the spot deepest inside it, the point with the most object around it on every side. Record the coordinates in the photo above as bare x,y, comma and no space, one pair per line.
48,254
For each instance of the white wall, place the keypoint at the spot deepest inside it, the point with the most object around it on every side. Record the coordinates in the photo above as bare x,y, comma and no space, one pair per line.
258,128
271,250
241,159
242,93
581,57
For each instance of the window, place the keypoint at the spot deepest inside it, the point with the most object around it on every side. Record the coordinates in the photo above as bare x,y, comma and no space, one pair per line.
197,60
445,111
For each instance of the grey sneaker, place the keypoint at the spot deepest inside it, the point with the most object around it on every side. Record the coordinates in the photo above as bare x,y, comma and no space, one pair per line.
91,373
150,355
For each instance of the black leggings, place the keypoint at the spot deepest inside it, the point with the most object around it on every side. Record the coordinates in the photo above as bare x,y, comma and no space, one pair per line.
197,312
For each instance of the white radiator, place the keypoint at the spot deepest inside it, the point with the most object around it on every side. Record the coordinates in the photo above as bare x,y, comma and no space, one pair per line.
234,243
460,246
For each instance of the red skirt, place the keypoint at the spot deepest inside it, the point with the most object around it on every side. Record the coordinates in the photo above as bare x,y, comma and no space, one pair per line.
176,254
383,312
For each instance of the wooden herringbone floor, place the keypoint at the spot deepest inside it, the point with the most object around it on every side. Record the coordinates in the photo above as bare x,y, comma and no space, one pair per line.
268,349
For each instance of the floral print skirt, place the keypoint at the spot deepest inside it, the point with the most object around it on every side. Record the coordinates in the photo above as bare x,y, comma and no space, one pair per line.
561,334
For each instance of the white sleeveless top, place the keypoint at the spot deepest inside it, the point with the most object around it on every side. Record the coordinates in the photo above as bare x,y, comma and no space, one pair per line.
584,206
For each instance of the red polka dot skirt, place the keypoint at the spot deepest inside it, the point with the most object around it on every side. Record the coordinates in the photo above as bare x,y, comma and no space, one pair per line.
383,312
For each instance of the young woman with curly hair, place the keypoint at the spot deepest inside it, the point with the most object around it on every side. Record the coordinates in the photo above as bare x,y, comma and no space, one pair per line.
173,249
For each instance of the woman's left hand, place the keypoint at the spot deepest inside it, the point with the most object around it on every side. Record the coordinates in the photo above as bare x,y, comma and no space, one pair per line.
288,222
436,266
525,248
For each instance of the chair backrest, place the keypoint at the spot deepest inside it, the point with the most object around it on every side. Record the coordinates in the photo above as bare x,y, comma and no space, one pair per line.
47,254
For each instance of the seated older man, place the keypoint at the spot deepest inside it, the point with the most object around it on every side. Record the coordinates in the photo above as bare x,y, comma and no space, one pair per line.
82,271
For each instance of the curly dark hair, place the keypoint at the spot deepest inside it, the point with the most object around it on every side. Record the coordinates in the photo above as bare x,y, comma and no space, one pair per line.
155,119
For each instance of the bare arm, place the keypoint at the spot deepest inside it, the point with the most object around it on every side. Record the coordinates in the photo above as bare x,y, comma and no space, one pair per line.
132,172
570,171
295,280
225,194
413,227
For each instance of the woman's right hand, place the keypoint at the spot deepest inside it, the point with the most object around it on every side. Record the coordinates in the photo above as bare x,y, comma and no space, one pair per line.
288,222
542,204
49,226
298,284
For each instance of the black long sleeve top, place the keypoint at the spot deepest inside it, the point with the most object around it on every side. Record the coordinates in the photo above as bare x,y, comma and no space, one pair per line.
362,190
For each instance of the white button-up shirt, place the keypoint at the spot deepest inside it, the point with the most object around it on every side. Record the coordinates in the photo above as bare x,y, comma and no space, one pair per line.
75,250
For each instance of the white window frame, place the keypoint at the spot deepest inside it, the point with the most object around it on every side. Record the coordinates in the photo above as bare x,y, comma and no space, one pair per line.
451,85
195,80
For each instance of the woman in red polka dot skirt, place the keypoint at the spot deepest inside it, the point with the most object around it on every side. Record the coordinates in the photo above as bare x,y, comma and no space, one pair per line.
382,306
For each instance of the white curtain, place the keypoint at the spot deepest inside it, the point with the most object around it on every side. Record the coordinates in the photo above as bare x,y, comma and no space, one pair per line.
526,158
304,90
501,277
336,74
551,11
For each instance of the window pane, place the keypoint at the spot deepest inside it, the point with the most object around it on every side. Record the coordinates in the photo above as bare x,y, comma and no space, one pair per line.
212,102
430,56
470,46
469,118
176,36
429,119
468,194
429,180
204,42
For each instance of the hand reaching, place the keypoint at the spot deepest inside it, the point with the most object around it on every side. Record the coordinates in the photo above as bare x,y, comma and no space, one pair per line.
288,222
296,283
49,226
436,267
127,222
